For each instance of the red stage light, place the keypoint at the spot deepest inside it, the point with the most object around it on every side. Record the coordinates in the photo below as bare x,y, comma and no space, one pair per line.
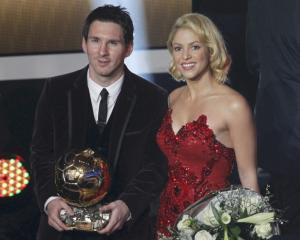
13,176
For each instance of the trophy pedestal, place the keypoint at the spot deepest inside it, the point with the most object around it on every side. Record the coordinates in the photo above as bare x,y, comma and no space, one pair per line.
85,218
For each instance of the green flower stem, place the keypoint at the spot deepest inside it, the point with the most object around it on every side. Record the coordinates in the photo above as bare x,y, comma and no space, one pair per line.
225,233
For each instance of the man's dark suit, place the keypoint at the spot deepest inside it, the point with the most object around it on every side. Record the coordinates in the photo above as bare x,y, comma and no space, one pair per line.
273,44
139,168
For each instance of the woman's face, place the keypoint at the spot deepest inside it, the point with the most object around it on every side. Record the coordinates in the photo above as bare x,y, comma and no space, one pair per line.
191,57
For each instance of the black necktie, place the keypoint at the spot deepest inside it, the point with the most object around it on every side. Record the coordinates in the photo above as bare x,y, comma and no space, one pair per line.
102,114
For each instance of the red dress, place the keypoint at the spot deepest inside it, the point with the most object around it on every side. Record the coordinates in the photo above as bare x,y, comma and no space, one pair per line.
198,164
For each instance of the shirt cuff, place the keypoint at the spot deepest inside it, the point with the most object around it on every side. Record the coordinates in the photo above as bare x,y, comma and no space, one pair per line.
129,217
47,202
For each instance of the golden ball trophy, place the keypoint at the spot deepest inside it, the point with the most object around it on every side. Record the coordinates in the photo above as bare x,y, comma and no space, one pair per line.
82,179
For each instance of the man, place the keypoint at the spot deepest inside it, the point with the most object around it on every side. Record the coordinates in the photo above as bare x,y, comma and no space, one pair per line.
67,118
273,44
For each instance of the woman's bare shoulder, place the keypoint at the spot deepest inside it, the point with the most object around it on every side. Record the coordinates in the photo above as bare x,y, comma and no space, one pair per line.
230,100
234,102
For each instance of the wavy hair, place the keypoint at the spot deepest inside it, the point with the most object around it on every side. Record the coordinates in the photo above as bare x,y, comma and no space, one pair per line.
210,36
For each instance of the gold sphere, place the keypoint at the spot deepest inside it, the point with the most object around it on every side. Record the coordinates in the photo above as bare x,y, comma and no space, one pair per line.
82,177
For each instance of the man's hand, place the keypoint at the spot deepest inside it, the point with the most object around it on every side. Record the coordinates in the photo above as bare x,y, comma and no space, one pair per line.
53,209
119,215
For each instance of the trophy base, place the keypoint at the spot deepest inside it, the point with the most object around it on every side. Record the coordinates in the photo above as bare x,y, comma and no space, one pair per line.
87,219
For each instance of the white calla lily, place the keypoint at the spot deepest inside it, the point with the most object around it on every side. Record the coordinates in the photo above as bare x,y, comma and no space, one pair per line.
259,218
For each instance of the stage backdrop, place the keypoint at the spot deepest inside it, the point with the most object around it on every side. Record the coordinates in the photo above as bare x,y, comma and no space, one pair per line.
48,26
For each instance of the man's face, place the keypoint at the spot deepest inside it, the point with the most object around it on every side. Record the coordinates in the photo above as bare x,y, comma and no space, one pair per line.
106,51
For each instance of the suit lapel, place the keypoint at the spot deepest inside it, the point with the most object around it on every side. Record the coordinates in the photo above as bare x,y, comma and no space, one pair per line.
78,105
121,115
78,100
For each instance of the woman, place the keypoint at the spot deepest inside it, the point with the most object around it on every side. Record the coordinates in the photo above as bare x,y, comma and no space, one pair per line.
208,124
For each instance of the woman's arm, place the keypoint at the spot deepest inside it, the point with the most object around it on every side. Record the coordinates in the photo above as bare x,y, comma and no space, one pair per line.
243,136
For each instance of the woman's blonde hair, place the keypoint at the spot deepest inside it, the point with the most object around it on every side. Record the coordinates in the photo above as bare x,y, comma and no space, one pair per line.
211,37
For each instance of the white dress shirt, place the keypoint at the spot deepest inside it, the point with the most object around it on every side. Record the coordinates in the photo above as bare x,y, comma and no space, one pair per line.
113,93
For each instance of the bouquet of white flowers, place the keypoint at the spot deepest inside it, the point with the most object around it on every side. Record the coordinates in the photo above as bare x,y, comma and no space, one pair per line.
232,214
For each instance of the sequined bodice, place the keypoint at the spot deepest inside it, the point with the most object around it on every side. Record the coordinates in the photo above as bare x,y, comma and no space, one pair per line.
198,164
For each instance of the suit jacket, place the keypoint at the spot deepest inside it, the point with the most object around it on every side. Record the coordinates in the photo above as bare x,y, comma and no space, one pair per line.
273,44
139,168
